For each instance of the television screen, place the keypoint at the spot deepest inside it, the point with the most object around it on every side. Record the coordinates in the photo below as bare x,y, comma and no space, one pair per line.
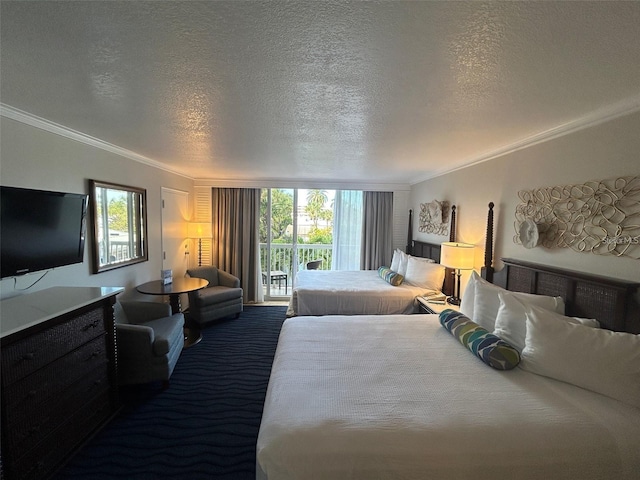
40,229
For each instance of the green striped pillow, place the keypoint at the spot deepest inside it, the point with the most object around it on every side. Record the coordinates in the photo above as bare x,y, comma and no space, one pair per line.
389,276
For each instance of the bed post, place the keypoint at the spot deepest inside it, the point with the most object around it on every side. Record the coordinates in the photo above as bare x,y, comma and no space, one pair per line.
487,270
410,233
452,230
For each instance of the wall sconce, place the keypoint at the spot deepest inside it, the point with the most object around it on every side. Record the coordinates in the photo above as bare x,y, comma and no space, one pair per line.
199,231
458,256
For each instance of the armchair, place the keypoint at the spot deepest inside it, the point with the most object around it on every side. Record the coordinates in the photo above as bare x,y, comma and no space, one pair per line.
149,341
223,296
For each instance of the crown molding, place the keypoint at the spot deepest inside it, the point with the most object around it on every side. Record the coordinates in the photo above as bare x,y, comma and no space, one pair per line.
21,116
302,183
606,114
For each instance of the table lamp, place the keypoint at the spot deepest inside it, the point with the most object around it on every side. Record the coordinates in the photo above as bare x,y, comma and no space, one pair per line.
458,256
199,231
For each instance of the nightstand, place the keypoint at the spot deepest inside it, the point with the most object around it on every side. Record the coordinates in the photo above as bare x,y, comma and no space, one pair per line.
427,307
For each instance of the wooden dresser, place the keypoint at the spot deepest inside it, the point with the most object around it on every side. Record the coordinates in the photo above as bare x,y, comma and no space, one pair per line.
59,378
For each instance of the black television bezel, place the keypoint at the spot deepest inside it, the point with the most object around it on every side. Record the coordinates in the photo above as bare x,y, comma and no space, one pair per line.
55,263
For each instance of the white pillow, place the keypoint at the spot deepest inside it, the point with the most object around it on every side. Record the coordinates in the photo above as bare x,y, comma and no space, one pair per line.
404,259
423,273
511,320
466,304
486,303
600,360
395,260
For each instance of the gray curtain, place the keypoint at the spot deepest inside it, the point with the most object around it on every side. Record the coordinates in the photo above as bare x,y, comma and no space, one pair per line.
236,237
377,230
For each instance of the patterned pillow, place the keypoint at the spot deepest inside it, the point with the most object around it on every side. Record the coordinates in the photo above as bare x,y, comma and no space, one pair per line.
490,349
390,276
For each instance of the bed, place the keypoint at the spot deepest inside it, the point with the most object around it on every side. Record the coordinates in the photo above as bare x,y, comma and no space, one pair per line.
362,292
399,396
357,292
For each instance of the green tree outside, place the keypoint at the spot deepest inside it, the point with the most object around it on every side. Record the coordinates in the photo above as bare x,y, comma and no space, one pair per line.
117,215
281,215
317,210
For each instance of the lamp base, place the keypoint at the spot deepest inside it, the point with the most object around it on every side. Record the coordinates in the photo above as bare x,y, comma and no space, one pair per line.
453,301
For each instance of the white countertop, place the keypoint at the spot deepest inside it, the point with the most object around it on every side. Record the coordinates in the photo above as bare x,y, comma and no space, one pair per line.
23,311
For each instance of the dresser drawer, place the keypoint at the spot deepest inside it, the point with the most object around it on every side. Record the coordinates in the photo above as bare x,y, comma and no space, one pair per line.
28,428
25,356
43,386
38,462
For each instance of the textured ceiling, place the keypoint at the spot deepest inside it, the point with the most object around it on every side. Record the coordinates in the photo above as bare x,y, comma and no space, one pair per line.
340,91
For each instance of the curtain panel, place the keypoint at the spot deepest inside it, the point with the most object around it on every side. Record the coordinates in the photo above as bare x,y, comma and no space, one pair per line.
347,230
236,237
377,230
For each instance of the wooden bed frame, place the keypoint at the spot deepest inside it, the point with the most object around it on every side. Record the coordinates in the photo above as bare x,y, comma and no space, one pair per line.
613,302
433,250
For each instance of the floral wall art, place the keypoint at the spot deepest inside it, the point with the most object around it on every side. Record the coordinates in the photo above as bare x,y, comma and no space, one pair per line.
600,217
434,217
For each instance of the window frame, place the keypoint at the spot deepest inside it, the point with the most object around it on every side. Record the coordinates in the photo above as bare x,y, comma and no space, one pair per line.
136,217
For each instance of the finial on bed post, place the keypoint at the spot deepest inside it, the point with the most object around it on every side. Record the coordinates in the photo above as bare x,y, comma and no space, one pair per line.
452,231
410,233
487,270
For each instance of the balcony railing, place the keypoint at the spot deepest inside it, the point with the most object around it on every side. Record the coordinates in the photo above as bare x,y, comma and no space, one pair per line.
284,259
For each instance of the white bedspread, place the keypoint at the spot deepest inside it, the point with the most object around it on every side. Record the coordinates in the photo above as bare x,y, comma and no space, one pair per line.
352,292
398,397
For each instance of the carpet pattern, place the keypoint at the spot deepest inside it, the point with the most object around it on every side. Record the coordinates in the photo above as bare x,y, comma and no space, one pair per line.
205,425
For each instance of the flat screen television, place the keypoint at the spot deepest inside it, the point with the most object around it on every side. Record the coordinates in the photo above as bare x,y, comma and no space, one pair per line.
40,229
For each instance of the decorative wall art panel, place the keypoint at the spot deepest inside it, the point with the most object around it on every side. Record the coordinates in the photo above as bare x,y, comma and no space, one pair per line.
601,217
434,217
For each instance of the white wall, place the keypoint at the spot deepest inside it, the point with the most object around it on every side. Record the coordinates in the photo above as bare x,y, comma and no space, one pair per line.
604,151
34,158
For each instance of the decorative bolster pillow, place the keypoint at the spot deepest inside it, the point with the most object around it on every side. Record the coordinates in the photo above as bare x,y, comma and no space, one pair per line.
390,276
490,349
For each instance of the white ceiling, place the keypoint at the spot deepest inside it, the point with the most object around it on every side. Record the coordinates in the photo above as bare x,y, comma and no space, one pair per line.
391,92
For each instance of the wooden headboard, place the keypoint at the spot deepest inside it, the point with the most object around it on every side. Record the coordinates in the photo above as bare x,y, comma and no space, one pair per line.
611,301
432,250
614,303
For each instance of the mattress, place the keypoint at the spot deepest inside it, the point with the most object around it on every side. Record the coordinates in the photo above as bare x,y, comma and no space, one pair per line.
350,292
397,397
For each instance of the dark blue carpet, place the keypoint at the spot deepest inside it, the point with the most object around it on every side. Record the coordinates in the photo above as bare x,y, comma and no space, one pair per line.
205,425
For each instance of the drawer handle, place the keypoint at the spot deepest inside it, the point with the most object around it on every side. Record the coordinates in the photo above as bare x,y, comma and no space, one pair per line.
28,356
93,355
32,393
93,324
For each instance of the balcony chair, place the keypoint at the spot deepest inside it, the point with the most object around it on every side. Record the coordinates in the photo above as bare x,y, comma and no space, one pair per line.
222,298
314,265
149,341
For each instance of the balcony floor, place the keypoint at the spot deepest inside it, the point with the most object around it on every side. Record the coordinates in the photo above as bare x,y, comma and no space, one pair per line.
283,291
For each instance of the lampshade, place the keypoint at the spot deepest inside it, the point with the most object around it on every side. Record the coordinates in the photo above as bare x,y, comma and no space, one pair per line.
457,255
199,230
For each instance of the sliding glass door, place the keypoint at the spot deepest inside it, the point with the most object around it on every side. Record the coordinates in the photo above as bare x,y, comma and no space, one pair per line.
296,229
277,241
